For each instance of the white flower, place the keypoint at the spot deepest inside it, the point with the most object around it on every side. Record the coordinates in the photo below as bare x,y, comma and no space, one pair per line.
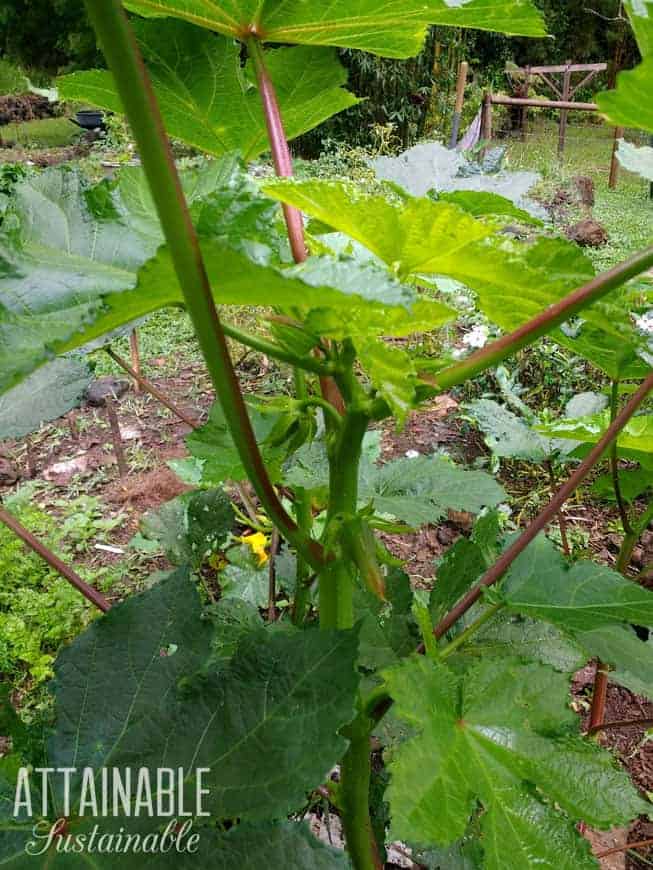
477,337
645,322
412,454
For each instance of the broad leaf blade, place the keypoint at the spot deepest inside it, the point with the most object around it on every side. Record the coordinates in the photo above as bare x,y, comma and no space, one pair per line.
206,98
482,736
395,28
581,597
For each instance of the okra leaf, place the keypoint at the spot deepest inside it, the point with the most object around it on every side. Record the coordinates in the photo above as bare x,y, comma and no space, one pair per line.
486,204
507,435
209,101
421,490
487,736
78,262
514,281
635,438
114,677
136,685
630,658
581,597
395,28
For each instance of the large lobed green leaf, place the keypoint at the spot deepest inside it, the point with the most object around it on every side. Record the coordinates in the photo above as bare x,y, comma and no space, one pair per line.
266,725
77,262
514,281
581,597
209,101
415,491
488,736
393,28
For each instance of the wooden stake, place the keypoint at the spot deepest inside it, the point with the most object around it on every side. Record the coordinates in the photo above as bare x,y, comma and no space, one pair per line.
486,129
116,437
463,70
31,459
150,388
54,561
614,165
135,353
566,94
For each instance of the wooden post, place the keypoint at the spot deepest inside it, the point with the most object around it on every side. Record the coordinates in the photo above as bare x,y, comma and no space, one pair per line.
116,437
566,93
135,357
523,112
614,165
463,70
486,126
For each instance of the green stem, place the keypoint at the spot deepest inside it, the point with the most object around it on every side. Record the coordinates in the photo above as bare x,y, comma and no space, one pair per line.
631,538
355,774
308,363
336,578
471,630
304,517
133,84
552,317
614,465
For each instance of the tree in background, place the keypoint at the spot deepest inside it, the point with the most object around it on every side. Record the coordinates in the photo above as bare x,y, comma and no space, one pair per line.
47,36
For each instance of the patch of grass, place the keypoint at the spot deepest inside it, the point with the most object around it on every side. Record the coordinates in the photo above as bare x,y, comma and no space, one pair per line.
626,212
43,133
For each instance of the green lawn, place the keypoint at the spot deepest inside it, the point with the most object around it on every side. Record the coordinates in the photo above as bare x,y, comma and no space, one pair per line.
626,212
45,133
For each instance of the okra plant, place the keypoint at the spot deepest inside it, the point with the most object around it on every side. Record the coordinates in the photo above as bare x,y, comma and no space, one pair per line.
482,762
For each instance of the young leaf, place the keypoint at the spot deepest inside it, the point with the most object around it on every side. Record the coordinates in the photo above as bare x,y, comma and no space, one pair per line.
208,101
514,281
580,597
214,447
395,28
388,630
485,736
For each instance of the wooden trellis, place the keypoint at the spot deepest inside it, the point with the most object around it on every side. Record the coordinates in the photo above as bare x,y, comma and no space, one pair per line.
559,78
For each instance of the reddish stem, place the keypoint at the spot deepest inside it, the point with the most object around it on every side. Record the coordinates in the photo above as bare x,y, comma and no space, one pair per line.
279,147
621,723
55,562
497,571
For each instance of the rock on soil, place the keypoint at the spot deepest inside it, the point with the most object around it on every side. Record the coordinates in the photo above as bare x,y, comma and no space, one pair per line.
105,388
588,233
